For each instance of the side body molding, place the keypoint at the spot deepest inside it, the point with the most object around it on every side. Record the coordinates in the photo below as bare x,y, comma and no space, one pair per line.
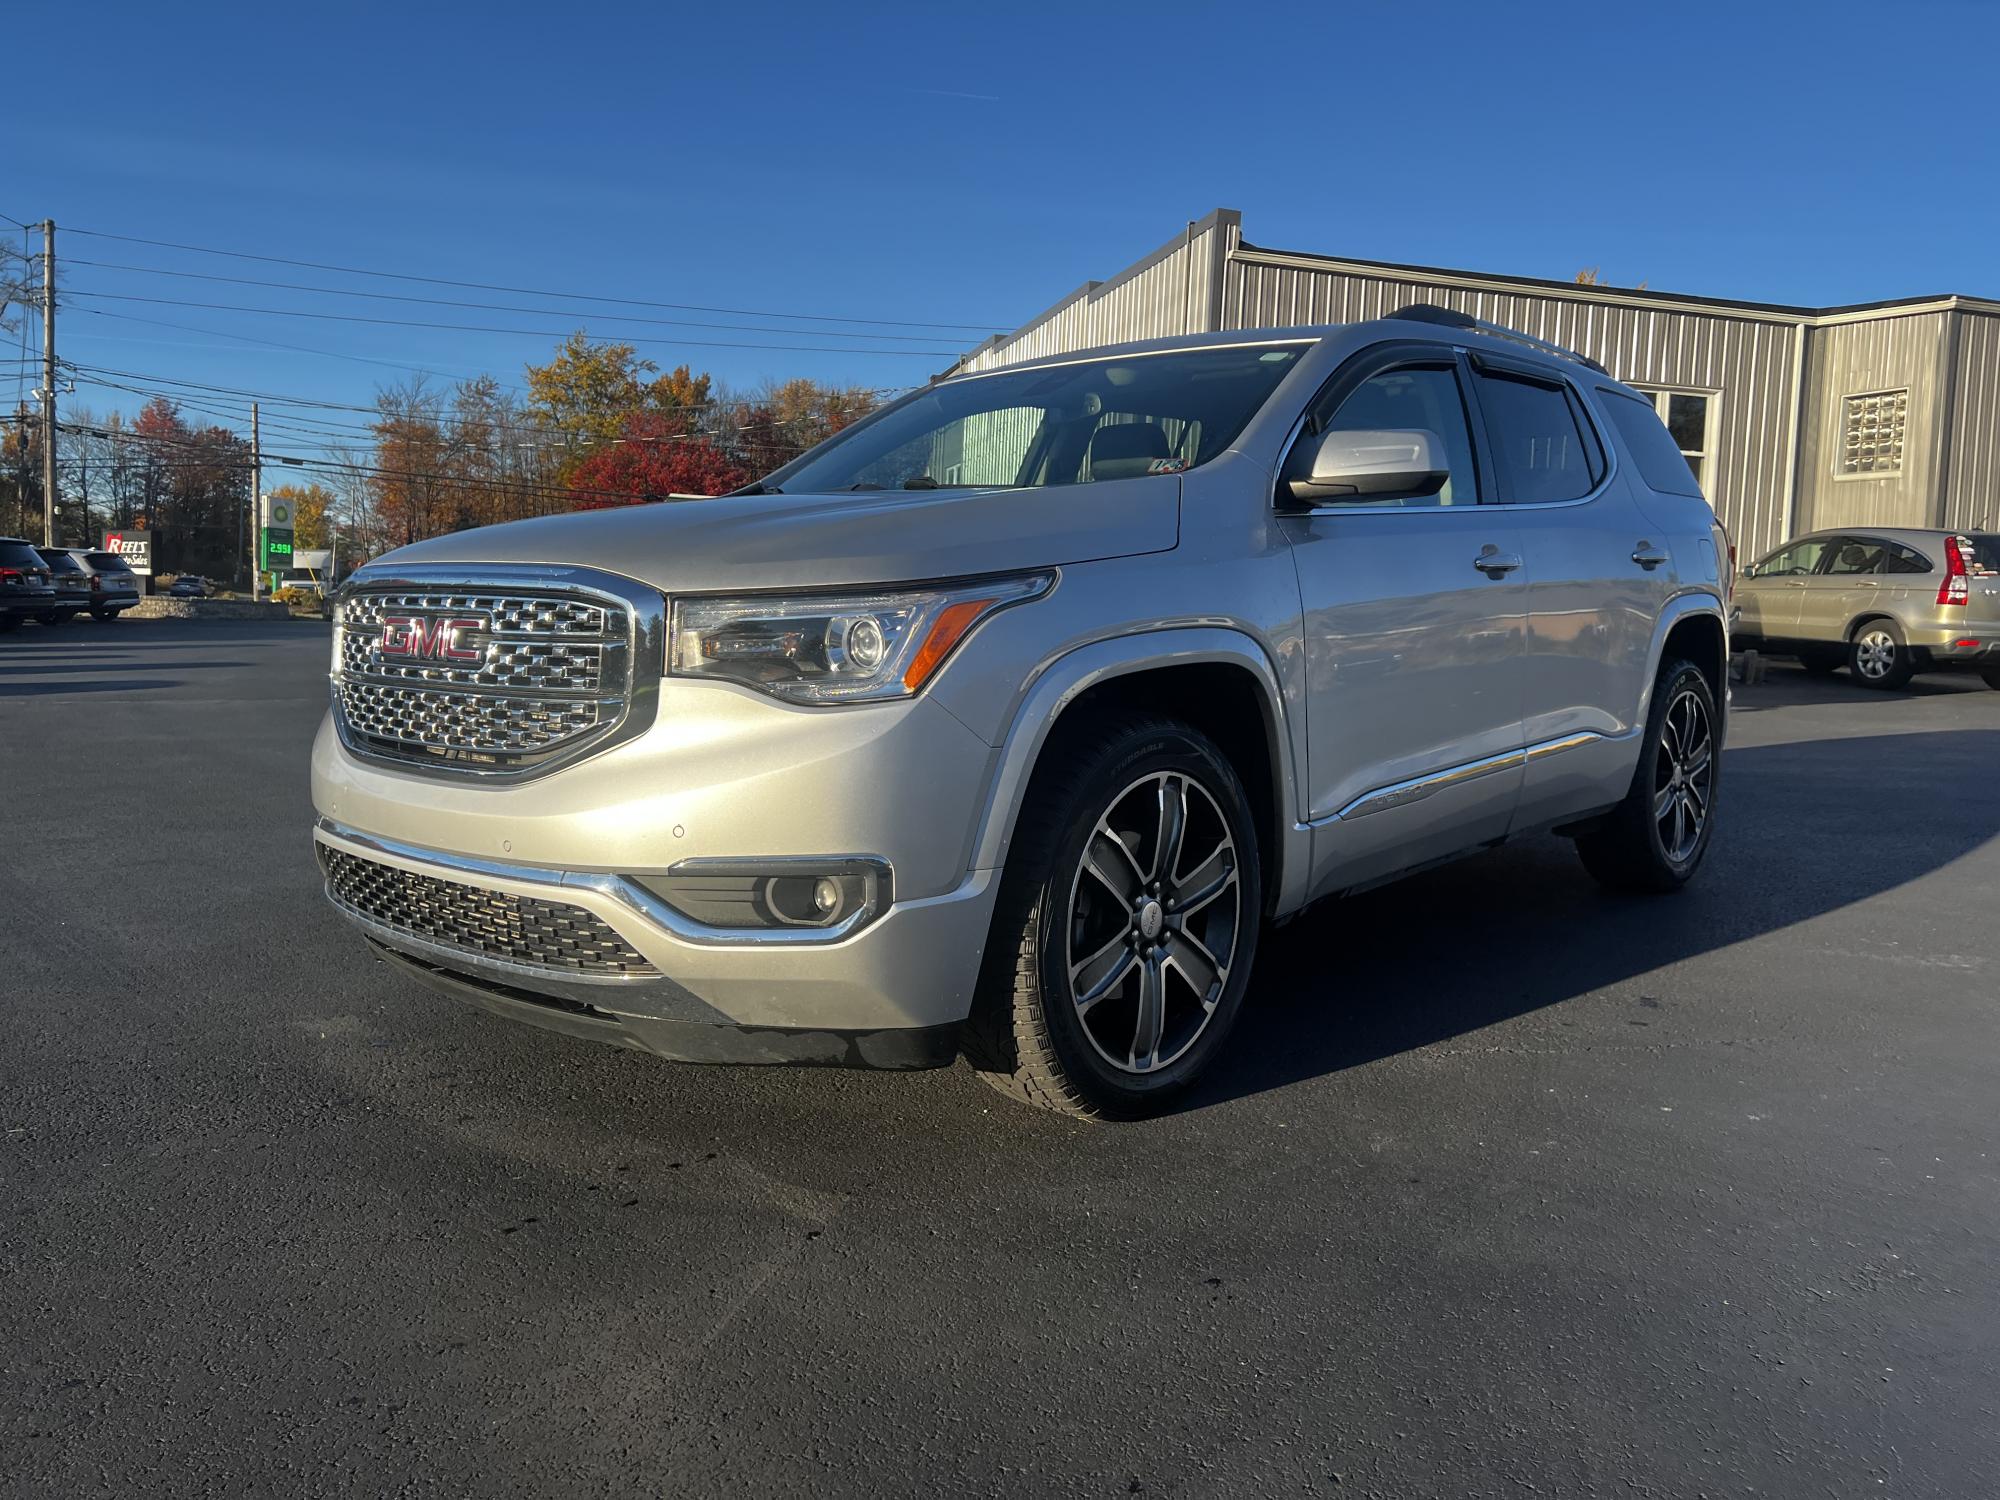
1070,676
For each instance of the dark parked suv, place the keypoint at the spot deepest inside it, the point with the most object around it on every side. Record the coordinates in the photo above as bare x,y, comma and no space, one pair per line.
72,585
25,589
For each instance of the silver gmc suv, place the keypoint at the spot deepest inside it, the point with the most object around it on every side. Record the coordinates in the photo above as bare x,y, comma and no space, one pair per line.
1001,723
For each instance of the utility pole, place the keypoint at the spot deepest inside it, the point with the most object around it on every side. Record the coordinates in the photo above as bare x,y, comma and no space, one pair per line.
49,384
256,495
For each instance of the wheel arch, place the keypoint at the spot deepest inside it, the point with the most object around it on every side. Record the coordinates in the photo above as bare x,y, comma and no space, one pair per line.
1691,625
1219,680
1854,625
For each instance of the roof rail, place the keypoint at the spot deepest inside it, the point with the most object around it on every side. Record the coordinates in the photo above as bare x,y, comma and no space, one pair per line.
1445,317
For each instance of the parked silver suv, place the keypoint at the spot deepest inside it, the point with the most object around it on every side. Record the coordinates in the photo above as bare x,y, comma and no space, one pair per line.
1001,723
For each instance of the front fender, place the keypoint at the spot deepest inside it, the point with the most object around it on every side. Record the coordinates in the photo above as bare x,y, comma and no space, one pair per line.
1075,673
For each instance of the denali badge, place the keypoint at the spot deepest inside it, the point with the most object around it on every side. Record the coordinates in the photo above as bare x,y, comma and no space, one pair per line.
414,637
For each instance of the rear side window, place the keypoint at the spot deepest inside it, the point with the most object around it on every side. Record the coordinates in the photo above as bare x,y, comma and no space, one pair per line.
1900,559
1661,462
1540,451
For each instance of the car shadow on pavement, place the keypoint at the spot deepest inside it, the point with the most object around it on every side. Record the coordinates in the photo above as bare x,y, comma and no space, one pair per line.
10,669
86,685
1522,928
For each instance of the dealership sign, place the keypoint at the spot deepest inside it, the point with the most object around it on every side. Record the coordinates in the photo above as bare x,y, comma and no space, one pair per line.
136,547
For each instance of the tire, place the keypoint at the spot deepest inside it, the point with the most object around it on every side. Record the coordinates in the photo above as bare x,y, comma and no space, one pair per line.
1879,657
1646,843
8,622
1991,677
1823,663
104,614
1082,876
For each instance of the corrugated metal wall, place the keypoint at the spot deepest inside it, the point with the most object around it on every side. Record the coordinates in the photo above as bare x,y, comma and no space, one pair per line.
1972,486
1882,353
1171,291
1771,468
1747,361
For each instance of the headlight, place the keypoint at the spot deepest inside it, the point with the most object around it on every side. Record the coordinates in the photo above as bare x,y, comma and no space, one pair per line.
837,648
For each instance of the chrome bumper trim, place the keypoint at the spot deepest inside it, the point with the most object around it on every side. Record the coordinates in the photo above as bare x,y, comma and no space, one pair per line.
629,894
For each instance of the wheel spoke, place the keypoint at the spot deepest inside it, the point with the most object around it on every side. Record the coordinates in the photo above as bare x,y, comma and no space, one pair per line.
1109,974
1207,881
1112,863
1698,762
1173,827
1151,1024
1095,975
1197,965
1663,800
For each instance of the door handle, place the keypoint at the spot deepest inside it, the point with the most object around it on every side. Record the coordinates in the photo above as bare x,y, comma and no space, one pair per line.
1494,563
1649,557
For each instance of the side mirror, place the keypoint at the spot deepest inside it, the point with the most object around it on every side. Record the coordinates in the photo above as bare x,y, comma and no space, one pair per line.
1371,465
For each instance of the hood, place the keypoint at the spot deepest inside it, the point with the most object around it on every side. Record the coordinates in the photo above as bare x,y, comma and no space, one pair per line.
808,541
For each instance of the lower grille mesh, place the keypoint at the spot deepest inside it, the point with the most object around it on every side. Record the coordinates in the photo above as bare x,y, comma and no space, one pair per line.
549,935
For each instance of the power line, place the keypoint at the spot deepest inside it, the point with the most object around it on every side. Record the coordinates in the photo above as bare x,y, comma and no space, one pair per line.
223,333
539,333
547,312
522,291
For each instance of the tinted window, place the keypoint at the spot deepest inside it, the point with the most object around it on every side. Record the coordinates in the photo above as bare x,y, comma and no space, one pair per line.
60,562
1794,561
1661,463
1853,555
1897,559
19,555
104,559
1422,398
1065,424
1539,451
1985,553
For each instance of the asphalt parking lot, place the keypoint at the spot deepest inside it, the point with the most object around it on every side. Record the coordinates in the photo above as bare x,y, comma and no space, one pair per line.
1510,1187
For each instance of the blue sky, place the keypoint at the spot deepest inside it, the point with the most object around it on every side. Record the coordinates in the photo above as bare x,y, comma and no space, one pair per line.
963,165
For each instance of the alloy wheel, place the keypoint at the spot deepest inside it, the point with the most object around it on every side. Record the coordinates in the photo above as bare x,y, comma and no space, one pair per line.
1875,654
1155,912
1684,776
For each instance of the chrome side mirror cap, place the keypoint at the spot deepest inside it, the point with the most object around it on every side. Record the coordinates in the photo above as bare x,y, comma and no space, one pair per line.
1371,465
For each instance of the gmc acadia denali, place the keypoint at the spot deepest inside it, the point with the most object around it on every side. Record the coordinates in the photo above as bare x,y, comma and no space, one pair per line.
999,724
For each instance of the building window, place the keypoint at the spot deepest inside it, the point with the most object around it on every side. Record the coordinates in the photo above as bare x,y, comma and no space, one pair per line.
1687,415
1871,434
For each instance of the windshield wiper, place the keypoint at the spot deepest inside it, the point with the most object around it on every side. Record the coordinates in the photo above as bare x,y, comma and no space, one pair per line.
849,489
920,482
758,489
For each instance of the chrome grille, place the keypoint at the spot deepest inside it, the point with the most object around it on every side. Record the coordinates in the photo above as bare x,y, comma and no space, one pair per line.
476,672
512,613
447,724
563,666
548,935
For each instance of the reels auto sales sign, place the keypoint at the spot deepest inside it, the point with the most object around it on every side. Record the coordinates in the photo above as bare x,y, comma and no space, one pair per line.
136,547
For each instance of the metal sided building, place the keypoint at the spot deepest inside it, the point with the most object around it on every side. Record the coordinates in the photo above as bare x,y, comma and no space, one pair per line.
1792,418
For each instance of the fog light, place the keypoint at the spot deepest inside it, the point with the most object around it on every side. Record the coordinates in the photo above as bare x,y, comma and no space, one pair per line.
765,894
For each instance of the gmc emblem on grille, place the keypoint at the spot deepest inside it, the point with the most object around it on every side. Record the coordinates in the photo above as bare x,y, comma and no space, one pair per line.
415,638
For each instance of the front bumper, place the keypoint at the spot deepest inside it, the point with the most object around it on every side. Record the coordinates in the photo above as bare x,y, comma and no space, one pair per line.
889,995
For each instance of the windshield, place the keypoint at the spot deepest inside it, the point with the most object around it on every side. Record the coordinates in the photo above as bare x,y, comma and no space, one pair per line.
1063,424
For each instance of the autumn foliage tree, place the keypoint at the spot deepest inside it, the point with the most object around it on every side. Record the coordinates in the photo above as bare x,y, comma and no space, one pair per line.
651,460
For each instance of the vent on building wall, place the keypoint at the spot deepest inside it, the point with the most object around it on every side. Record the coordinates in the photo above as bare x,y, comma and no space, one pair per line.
1871,433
